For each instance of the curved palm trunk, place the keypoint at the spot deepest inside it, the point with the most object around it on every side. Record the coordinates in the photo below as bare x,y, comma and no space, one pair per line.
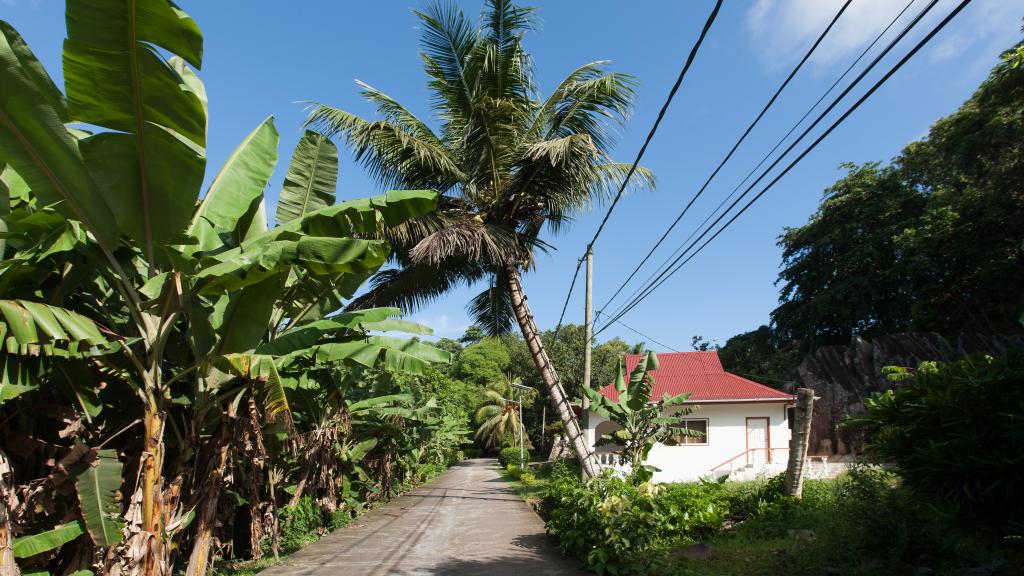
556,393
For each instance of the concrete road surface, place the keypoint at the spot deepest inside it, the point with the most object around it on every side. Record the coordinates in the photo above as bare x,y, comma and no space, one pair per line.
466,522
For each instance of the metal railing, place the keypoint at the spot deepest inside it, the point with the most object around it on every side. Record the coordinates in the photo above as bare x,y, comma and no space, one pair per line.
747,453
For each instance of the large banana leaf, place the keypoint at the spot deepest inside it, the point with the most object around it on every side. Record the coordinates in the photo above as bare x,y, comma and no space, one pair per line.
150,167
242,318
308,334
395,354
29,324
320,242
236,188
97,487
34,141
28,546
311,179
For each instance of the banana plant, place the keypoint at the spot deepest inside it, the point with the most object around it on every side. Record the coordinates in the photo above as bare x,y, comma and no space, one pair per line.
191,295
642,419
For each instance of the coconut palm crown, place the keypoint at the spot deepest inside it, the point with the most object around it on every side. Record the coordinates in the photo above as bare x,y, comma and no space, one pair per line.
507,162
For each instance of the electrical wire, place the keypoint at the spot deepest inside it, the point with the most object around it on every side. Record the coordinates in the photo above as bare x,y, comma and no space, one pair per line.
963,4
640,154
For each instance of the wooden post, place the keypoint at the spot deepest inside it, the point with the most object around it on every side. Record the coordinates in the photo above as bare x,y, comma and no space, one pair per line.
588,332
799,442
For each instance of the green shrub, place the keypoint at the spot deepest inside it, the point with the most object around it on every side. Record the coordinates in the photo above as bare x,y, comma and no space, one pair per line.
527,478
514,471
614,526
300,524
510,456
955,433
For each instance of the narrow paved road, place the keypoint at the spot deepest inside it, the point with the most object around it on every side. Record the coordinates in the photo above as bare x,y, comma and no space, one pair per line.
467,522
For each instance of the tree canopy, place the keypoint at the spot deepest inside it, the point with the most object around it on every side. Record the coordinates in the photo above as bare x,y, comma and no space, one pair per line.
933,241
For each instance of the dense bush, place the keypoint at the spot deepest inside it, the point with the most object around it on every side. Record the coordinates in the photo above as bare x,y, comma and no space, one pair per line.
614,525
510,456
955,433
865,523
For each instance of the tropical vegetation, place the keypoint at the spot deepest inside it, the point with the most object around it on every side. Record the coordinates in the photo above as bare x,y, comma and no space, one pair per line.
173,370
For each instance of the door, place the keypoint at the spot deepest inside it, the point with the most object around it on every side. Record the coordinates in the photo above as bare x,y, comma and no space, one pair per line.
757,441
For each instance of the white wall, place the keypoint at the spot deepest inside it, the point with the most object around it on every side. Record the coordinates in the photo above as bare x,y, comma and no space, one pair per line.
727,437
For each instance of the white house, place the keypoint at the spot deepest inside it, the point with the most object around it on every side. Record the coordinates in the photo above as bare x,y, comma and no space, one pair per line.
746,425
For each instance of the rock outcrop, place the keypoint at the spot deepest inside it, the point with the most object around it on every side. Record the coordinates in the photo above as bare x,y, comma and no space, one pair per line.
843,376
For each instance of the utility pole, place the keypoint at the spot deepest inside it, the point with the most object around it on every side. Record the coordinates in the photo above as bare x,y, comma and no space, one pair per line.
588,332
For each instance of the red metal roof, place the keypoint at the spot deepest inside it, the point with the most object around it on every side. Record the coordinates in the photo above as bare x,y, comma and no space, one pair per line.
701,375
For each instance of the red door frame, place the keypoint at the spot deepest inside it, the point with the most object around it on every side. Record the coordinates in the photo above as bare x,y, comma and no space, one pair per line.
767,433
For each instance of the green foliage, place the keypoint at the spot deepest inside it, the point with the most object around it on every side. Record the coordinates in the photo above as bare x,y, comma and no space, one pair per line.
97,487
762,356
28,546
564,353
510,455
932,242
483,363
301,524
615,526
506,171
954,434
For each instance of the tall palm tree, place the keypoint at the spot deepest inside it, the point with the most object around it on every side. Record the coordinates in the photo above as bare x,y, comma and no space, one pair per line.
508,162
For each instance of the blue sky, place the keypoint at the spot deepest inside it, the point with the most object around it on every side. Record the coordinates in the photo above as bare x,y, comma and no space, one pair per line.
262,57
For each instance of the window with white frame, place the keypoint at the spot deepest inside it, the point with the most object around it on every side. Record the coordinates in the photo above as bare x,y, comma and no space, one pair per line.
697,432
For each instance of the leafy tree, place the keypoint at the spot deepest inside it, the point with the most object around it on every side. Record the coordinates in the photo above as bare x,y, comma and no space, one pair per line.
483,363
566,353
165,329
701,344
932,242
508,164
761,356
472,335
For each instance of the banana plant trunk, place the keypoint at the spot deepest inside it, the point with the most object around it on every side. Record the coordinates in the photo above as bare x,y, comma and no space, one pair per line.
556,392
7,565
209,496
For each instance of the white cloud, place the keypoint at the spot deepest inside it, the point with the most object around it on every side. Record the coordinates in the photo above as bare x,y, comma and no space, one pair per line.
443,326
782,30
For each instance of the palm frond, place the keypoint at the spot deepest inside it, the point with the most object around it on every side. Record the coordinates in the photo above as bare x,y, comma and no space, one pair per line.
489,244
448,38
491,310
414,286
396,158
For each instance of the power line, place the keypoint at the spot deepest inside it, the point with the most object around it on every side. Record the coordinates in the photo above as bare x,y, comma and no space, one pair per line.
640,154
641,334
764,159
735,146
659,279
806,151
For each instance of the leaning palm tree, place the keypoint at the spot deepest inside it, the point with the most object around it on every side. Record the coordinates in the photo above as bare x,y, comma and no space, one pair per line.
508,163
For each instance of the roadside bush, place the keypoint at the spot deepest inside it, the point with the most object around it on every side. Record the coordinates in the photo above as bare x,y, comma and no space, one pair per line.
955,433
527,478
613,526
300,524
510,456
